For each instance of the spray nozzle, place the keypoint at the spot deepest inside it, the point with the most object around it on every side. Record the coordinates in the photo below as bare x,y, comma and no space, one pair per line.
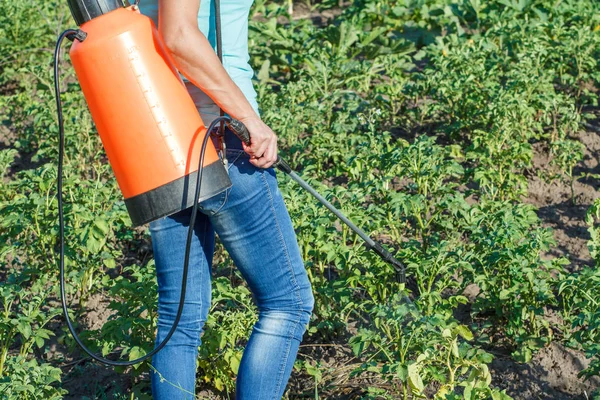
390,259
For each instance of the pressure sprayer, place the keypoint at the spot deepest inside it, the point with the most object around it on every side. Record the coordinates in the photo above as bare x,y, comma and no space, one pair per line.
154,138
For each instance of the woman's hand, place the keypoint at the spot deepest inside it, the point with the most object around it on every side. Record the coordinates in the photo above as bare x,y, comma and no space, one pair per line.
263,143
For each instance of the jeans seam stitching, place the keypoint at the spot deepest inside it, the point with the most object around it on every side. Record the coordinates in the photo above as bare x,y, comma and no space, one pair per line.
284,360
223,203
295,285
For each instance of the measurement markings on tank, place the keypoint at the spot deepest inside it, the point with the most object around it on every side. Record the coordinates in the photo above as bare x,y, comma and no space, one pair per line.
154,105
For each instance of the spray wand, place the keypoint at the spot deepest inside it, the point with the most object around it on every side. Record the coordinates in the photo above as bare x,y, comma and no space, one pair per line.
241,132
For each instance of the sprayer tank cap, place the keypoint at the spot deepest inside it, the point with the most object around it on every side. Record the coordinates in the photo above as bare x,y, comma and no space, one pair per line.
85,10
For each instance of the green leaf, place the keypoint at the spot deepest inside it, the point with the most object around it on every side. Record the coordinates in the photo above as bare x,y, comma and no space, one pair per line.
110,263
219,383
464,332
454,347
402,372
414,379
136,352
314,371
500,395
234,362
263,73
467,394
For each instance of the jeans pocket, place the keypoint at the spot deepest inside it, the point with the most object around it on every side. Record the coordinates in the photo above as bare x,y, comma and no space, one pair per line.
214,204
234,155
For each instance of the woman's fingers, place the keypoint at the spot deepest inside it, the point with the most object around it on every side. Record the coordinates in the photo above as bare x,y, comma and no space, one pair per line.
269,156
259,149
272,154
263,143
258,144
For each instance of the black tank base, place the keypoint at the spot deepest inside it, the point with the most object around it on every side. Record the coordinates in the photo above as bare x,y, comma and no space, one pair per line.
177,195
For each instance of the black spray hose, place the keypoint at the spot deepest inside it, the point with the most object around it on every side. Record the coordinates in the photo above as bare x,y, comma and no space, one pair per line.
80,35
240,130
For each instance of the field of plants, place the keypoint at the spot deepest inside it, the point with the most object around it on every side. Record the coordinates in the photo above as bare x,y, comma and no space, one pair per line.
463,134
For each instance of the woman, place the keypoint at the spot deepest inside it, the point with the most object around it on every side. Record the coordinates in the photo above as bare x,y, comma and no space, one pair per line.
250,218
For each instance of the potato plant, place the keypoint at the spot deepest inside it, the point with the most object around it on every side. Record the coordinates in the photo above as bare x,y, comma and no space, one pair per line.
419,119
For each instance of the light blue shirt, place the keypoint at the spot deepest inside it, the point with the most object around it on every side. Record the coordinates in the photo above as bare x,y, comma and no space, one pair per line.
234,32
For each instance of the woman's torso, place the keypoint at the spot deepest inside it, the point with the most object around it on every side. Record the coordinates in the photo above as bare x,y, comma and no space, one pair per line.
234,32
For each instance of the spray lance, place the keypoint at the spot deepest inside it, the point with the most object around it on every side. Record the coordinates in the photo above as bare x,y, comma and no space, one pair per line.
151,131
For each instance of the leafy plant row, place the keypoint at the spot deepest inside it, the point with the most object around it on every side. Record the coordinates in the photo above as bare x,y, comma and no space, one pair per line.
417,118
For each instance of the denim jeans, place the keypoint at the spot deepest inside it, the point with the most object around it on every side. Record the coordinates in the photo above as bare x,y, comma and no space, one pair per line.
254,226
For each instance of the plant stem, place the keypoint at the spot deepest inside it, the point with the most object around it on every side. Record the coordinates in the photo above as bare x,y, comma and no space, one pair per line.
3,359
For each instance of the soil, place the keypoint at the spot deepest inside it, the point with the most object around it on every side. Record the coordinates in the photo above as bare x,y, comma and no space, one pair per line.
552,374
83,378
98,312
556,206
303,11
95,381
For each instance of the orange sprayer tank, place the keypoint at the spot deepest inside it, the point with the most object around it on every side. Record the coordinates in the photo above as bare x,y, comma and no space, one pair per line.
149,126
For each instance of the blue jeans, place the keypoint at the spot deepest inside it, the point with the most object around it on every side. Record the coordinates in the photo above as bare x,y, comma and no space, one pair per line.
254,226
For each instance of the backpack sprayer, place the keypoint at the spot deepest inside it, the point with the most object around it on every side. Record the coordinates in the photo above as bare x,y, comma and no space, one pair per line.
155,140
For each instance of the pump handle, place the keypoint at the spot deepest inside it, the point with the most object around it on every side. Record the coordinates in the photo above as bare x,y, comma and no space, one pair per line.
240,130
242,133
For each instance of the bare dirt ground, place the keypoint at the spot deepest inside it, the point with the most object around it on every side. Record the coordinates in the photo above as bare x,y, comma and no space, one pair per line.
556,208
552,374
